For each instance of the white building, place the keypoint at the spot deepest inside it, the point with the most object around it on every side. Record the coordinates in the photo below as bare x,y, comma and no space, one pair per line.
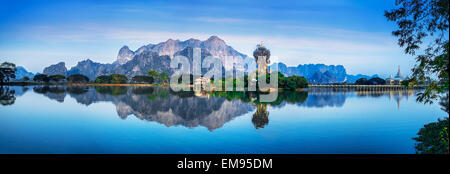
397,80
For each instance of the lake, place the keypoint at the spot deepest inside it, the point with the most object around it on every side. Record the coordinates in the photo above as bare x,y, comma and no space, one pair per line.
82,119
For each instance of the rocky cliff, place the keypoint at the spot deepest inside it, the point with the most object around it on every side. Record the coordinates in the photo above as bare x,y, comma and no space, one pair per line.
59,68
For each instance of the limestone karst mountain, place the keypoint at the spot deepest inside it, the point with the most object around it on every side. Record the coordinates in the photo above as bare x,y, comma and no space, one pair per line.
21,72
215,45
91,69
125,55
158,57
59,68
318,73
152,56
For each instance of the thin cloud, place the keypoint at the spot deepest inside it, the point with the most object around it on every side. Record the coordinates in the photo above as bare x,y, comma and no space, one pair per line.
219,20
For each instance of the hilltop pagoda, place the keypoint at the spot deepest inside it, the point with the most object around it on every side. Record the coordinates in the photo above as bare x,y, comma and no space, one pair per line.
263,53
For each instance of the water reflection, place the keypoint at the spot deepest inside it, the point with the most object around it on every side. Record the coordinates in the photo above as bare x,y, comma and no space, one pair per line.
335,97
193,109
7,96
163,105
57,93
261,116
433,137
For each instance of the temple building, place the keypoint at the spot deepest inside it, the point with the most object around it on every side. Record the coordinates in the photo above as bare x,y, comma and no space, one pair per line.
397,80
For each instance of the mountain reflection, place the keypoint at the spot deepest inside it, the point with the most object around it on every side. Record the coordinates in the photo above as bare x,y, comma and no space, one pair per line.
193,109
163,105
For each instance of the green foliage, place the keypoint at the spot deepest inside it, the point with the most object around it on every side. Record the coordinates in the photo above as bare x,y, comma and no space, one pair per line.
26,78
103,79
292,97
111,90
287,83
142,90
419,21
77,78
406,82
160,93
154,74
119,79
361,81
57,78
294,82
142,79
445,103
7,72
372,81
41,78
433,138
112,79
281,80
164,77
77,90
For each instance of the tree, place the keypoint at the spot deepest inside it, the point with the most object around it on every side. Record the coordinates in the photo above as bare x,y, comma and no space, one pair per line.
26,78
119,78
164,77
142,79
103,79
41,78
421,21
281,80
294,82
114,78
406,82
154,74
361,81
433,138
7,72
77,78
376,81
57,78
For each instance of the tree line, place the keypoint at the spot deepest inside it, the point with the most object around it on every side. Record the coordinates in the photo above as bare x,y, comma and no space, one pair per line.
8,71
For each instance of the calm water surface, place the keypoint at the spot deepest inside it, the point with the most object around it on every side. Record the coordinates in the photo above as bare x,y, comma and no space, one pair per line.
42,119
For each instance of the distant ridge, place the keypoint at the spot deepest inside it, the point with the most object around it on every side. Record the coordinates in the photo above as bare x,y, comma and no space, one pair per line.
318,73
21,72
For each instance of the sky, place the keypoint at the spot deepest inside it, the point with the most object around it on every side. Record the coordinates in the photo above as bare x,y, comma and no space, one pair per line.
352,33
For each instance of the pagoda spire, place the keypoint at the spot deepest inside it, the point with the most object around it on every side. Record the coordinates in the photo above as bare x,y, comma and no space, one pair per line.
399,74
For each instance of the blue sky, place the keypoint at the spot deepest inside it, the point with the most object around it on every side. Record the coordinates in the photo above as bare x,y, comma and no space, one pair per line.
35,34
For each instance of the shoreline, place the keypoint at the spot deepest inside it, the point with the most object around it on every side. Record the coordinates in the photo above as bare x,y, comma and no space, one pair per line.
82,84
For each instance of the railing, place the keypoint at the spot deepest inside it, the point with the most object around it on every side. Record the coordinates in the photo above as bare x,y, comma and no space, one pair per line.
366,86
